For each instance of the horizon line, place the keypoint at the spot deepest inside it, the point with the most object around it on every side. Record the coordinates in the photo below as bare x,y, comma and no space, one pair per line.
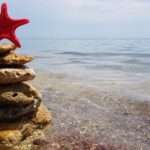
77,38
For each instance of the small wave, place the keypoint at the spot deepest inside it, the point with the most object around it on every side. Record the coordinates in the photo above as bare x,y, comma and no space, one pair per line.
136,61
139,55
73,53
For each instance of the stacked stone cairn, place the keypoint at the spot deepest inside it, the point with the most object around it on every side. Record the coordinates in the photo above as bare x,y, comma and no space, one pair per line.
23,117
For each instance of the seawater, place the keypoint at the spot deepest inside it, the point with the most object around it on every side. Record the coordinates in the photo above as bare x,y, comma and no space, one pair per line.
95,87
115,59
121,64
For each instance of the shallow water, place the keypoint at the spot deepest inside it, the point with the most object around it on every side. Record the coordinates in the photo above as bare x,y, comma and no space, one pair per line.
125,56
96,87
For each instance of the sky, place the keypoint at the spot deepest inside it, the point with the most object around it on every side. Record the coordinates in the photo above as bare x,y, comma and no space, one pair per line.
82,19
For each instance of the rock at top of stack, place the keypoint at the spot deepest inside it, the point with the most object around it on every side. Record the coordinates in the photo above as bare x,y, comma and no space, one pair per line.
12,69
6,48
8,57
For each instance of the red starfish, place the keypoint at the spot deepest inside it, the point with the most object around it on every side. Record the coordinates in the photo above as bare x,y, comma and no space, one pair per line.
8,26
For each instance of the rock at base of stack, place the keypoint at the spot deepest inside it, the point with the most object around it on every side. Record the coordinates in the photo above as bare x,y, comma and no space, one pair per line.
23,117
20,134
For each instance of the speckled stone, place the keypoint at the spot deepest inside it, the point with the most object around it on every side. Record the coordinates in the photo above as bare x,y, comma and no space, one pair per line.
42,116
15,75
13,112
6,48
14,59
18,94
13,134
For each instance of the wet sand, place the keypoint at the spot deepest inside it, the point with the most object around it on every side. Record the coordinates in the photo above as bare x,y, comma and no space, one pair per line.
111,113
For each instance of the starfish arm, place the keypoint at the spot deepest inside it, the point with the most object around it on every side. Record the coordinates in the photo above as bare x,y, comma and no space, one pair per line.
20,22
9,25
13,38
4,13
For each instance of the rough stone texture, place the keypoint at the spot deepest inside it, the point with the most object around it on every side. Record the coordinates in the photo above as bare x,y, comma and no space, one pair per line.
5,48
12,137
14,59
7,111
26,144
15,75
23,119
14,133
18,94
43,116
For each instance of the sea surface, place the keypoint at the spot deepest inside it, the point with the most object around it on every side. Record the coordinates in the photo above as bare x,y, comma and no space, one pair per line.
123,60
97,87
103,62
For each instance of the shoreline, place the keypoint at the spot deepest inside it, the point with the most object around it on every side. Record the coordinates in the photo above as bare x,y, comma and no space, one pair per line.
110,115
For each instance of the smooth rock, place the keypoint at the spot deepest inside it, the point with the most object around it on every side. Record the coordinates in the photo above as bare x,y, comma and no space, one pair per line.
14,59
15,75
18,94
5,48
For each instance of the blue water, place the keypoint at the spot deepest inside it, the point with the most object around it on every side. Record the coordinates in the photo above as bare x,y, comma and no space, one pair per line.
95,59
